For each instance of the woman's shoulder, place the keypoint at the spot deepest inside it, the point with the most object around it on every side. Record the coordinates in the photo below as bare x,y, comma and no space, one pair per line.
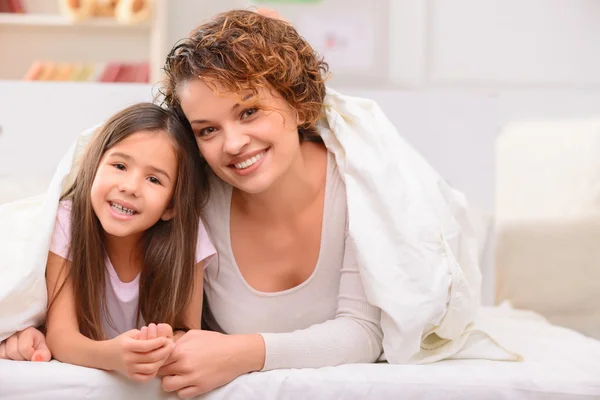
218,193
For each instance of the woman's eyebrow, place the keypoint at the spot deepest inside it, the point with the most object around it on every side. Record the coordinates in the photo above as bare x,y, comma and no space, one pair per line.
233,108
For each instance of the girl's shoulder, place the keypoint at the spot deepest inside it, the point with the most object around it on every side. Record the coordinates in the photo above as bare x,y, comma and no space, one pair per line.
63,212
205,249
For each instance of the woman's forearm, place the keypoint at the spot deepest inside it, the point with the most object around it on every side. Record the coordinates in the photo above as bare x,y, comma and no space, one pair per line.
249,352
338,341
75,348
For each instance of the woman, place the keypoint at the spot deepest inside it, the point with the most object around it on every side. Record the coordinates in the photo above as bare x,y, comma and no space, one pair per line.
252,90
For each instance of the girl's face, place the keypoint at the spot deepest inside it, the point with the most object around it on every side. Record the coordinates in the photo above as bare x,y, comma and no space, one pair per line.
134,184
248,142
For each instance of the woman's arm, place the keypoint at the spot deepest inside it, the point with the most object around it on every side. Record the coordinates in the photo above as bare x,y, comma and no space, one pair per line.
354,336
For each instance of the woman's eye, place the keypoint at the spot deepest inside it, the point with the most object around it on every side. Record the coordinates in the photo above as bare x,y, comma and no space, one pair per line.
154,180
120,167
249,112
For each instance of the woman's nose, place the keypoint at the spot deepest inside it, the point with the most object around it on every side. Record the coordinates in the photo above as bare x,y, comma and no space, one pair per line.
235,140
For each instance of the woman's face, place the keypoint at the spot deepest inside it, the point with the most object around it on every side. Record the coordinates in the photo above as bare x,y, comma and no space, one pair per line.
249,142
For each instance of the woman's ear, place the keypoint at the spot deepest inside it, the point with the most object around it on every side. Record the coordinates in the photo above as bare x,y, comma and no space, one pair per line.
168,214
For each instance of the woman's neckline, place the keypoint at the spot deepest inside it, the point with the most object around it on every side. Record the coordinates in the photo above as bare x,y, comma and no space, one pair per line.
326,211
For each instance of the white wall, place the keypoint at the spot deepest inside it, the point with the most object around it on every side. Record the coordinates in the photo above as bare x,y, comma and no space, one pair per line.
422,44
448,73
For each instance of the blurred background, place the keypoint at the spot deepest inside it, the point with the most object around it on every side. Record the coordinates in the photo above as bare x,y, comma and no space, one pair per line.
501,96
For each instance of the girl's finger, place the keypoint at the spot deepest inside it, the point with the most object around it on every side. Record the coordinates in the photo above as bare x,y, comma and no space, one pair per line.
144,346
3,355
12,349
164,330
144,333
147,368
142,377
158,355
41,355
152,334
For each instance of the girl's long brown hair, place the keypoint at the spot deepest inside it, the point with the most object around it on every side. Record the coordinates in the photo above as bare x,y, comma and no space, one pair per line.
168,248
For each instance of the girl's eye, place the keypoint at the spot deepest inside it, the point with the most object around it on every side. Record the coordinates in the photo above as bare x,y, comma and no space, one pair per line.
206,131
152,179
120,167
249,112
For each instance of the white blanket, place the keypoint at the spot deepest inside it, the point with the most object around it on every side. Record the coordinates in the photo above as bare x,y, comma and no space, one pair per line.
559,364
416,250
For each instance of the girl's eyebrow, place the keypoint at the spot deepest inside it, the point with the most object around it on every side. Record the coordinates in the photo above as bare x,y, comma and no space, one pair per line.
127,157
233,109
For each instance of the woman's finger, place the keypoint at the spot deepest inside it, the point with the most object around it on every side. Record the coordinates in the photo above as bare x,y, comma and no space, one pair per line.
172,383
189,392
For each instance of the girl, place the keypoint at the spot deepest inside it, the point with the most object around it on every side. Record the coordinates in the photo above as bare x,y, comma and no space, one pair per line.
286,289
128,247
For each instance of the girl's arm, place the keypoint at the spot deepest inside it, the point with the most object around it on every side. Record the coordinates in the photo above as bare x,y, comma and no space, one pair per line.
68,345
194,309
64,340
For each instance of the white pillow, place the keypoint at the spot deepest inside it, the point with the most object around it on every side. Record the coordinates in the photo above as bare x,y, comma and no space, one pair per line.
26,226
548,220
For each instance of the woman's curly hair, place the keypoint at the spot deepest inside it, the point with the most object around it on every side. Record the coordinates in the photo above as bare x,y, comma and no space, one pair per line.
242,50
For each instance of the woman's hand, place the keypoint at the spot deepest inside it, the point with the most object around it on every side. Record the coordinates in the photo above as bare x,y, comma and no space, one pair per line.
26,345
204,360
139,354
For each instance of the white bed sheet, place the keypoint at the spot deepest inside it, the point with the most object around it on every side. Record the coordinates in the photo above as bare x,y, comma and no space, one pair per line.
558,364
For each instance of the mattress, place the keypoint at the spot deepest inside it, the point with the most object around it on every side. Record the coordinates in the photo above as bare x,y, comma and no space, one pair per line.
558,363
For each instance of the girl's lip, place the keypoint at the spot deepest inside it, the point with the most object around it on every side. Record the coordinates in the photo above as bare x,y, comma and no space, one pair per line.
118,215
124,204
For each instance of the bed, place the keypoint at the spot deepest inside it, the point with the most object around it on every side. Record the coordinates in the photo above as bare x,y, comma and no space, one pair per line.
558,364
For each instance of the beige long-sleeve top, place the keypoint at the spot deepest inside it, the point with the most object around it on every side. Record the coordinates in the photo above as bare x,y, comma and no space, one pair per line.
324,321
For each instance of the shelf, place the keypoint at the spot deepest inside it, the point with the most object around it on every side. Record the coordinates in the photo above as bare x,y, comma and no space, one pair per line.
50,20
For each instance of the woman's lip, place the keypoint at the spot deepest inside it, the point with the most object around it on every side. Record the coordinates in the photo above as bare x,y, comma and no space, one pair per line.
246,157
250,169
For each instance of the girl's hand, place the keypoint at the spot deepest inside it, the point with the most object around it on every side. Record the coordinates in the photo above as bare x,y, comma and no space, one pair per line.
140,359
203,361
26,345
153,331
